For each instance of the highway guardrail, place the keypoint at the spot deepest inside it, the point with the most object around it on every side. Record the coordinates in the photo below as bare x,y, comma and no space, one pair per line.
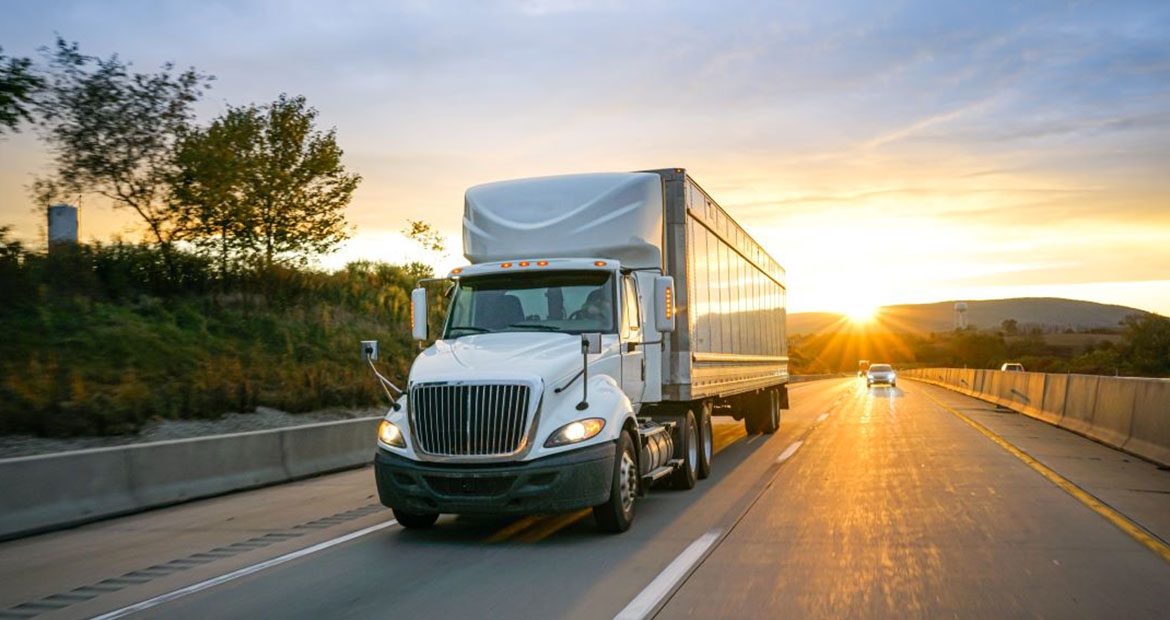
1128,413
52,491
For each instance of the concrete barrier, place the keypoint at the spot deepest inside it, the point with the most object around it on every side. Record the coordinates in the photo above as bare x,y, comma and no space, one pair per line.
1113,411
1055,393
51,491
1079,401
1129,413
1150,432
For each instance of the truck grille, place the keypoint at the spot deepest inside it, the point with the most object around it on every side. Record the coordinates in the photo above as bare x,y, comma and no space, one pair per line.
469,420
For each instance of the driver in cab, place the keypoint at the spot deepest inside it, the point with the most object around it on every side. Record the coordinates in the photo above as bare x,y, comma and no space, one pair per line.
597,308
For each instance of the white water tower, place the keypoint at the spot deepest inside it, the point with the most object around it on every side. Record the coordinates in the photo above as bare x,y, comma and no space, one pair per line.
961,315
62,224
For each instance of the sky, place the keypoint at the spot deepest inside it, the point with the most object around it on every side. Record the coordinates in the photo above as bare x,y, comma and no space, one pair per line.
883,153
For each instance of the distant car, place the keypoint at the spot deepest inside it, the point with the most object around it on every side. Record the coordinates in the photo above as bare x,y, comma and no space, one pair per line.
1012,367
881,373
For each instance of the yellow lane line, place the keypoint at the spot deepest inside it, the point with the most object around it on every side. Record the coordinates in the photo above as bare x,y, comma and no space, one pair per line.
1135,531
514,528
554,525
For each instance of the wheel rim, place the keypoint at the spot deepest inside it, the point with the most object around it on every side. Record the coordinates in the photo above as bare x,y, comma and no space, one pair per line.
628,482
707,438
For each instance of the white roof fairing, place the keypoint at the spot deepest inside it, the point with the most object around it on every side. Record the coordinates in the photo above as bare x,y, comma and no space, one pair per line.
607,215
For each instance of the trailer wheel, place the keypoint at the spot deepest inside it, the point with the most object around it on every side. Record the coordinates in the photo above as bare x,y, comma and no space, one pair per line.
415,520
771,422
706,441
763,414
617,514
687,476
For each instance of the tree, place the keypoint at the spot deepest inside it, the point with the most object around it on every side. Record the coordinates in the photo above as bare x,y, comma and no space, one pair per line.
1147,344
113,133
210,203
1010,327
18,85
267,183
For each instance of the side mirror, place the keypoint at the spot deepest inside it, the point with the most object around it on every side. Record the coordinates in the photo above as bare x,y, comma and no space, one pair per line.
591,343
370,350
418,314
664,310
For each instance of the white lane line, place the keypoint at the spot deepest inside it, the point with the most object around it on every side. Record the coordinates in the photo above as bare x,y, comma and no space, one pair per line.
822,418
787,453
670,576
243,572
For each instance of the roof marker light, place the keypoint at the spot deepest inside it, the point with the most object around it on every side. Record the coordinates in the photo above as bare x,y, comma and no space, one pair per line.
542,263
524,263
599,263
505,265
456,271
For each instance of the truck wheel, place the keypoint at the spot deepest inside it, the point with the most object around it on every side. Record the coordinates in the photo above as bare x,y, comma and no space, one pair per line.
771,415
687,476
415,520
751,418
706,441
617,514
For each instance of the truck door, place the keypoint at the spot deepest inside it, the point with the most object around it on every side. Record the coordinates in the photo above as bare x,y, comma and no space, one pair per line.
633,357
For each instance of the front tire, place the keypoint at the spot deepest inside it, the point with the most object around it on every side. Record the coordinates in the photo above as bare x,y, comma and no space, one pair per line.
687,476
616,514
415,520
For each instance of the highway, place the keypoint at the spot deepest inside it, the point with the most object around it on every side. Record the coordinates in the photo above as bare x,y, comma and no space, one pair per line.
902,501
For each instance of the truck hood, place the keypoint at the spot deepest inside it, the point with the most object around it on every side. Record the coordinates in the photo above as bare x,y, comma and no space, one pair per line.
545,355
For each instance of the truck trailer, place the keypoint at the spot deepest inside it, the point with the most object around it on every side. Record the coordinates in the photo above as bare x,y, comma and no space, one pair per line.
603,320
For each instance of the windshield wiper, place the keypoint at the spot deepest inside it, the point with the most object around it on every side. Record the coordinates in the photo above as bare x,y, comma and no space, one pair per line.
472,328
547,328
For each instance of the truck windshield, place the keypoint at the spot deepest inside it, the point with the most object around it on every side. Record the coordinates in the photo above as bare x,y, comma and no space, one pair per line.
571,302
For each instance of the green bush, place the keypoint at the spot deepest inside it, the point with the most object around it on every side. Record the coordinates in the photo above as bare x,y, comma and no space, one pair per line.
102,339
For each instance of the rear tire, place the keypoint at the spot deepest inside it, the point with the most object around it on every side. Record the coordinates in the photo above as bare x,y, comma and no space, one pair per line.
415,520
763,414
617,513
687,476
706,441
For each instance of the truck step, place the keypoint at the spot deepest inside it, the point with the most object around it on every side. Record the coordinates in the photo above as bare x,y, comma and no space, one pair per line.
662,472
651,430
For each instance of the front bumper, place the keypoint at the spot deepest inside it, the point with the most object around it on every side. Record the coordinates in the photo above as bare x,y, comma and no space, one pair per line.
569,481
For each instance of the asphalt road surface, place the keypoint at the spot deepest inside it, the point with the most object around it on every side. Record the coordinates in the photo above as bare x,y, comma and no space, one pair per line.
870,502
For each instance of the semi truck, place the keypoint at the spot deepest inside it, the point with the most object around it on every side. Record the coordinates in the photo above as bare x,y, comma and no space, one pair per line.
603,320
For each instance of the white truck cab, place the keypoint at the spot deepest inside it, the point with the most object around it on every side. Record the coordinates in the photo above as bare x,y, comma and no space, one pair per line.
543,390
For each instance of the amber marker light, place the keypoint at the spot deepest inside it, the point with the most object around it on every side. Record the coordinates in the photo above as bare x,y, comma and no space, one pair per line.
457,271
599,263
542,263
524,263
505,265
669,303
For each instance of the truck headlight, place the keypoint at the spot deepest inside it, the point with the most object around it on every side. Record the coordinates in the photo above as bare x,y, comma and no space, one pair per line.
574,432
390,434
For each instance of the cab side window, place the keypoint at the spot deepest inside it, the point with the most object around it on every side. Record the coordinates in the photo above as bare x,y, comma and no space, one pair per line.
631,315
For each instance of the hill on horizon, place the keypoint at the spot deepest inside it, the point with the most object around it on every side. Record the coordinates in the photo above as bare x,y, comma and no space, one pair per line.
1047,312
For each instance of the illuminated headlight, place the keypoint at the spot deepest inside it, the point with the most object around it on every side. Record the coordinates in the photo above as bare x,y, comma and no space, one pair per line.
575,432
390,434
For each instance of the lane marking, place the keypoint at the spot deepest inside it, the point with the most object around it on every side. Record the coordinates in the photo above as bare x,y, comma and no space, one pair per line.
789,451
1135,531
822,418
670,577
243,572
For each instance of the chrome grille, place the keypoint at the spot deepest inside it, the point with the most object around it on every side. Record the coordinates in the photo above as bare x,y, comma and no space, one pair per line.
469,420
